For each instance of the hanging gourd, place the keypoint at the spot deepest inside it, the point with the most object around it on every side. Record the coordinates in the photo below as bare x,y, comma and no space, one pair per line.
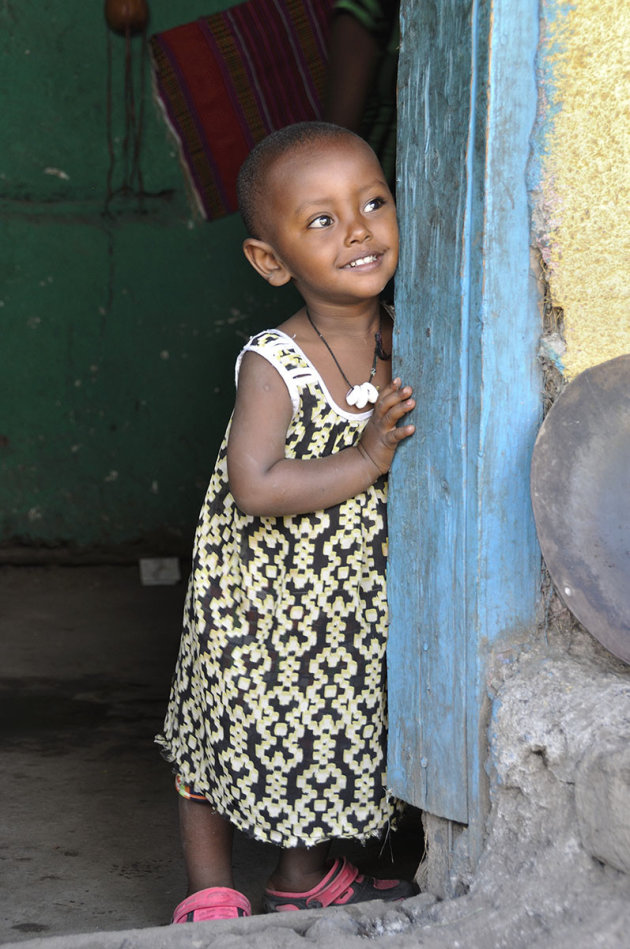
126,18
127,15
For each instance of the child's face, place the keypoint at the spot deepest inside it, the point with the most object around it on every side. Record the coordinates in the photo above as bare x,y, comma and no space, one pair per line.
331,220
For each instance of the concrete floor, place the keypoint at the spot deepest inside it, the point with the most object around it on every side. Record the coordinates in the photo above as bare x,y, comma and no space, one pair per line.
88,813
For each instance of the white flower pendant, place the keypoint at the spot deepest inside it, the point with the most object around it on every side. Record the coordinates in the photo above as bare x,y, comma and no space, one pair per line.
359,396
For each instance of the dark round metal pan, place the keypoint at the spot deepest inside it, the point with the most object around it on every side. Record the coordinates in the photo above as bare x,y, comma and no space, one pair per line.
580,488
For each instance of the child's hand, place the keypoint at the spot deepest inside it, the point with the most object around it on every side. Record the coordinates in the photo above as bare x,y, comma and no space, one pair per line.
381,436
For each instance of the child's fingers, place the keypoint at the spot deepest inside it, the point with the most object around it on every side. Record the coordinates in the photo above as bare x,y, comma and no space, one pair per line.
398,409
394,405
392,395
383,434
394,433
395,386
399,432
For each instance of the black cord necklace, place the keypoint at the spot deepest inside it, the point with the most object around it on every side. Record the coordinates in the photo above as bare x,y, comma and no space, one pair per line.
358,395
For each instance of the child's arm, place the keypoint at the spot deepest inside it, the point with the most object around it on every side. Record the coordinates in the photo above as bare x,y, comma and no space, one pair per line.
265,483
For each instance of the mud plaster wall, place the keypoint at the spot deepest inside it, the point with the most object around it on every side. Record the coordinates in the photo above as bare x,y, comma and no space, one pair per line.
119,332
580,179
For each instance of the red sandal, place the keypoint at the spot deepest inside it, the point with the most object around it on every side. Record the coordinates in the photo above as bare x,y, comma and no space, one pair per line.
342,885
217,902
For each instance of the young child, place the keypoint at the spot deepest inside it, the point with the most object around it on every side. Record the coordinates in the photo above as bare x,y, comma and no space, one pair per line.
277,718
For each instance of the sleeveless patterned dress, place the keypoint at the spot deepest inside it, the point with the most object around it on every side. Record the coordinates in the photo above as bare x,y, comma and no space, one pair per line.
277,713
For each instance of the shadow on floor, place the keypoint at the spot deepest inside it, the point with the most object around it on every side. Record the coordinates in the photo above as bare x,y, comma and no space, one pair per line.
89,822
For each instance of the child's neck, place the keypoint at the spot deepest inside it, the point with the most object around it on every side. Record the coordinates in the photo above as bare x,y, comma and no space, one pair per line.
358,320
350,347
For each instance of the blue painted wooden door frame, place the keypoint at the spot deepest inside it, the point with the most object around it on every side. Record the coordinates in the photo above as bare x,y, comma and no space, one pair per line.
464,562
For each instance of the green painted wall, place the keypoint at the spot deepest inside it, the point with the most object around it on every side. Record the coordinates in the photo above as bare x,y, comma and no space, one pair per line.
118,332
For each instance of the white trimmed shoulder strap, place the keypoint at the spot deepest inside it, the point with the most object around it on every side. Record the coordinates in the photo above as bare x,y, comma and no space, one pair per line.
286,358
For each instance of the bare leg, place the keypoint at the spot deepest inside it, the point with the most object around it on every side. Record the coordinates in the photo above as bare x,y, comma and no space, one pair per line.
207,845
299,869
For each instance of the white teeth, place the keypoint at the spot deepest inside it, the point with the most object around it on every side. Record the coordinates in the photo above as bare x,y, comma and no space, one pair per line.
363,260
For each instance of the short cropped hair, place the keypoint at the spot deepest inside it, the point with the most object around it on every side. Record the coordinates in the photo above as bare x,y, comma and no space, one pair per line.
253,173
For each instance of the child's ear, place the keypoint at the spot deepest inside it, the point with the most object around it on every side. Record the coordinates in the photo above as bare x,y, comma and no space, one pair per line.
263,258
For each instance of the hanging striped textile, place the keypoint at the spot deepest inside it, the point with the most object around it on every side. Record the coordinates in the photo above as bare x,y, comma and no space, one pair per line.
225,81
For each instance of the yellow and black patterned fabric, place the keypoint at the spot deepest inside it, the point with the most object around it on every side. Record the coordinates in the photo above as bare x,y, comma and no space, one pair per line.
277,712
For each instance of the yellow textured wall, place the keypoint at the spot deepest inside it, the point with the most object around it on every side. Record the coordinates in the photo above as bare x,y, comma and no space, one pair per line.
584,200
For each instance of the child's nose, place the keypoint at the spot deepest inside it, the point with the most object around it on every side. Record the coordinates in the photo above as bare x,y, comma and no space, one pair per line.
358,230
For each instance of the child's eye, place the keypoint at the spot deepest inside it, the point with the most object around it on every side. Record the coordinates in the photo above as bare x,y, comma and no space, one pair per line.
322,220
374,204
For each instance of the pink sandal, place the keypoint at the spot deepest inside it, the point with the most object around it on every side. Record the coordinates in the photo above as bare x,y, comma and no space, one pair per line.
217,902
343,884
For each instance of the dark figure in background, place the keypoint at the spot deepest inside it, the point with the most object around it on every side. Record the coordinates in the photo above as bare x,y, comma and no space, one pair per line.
362,70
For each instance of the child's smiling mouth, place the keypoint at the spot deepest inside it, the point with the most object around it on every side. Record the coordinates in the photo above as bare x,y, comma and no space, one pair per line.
362,261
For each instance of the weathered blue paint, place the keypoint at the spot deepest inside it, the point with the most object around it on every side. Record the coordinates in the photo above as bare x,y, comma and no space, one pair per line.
464,561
